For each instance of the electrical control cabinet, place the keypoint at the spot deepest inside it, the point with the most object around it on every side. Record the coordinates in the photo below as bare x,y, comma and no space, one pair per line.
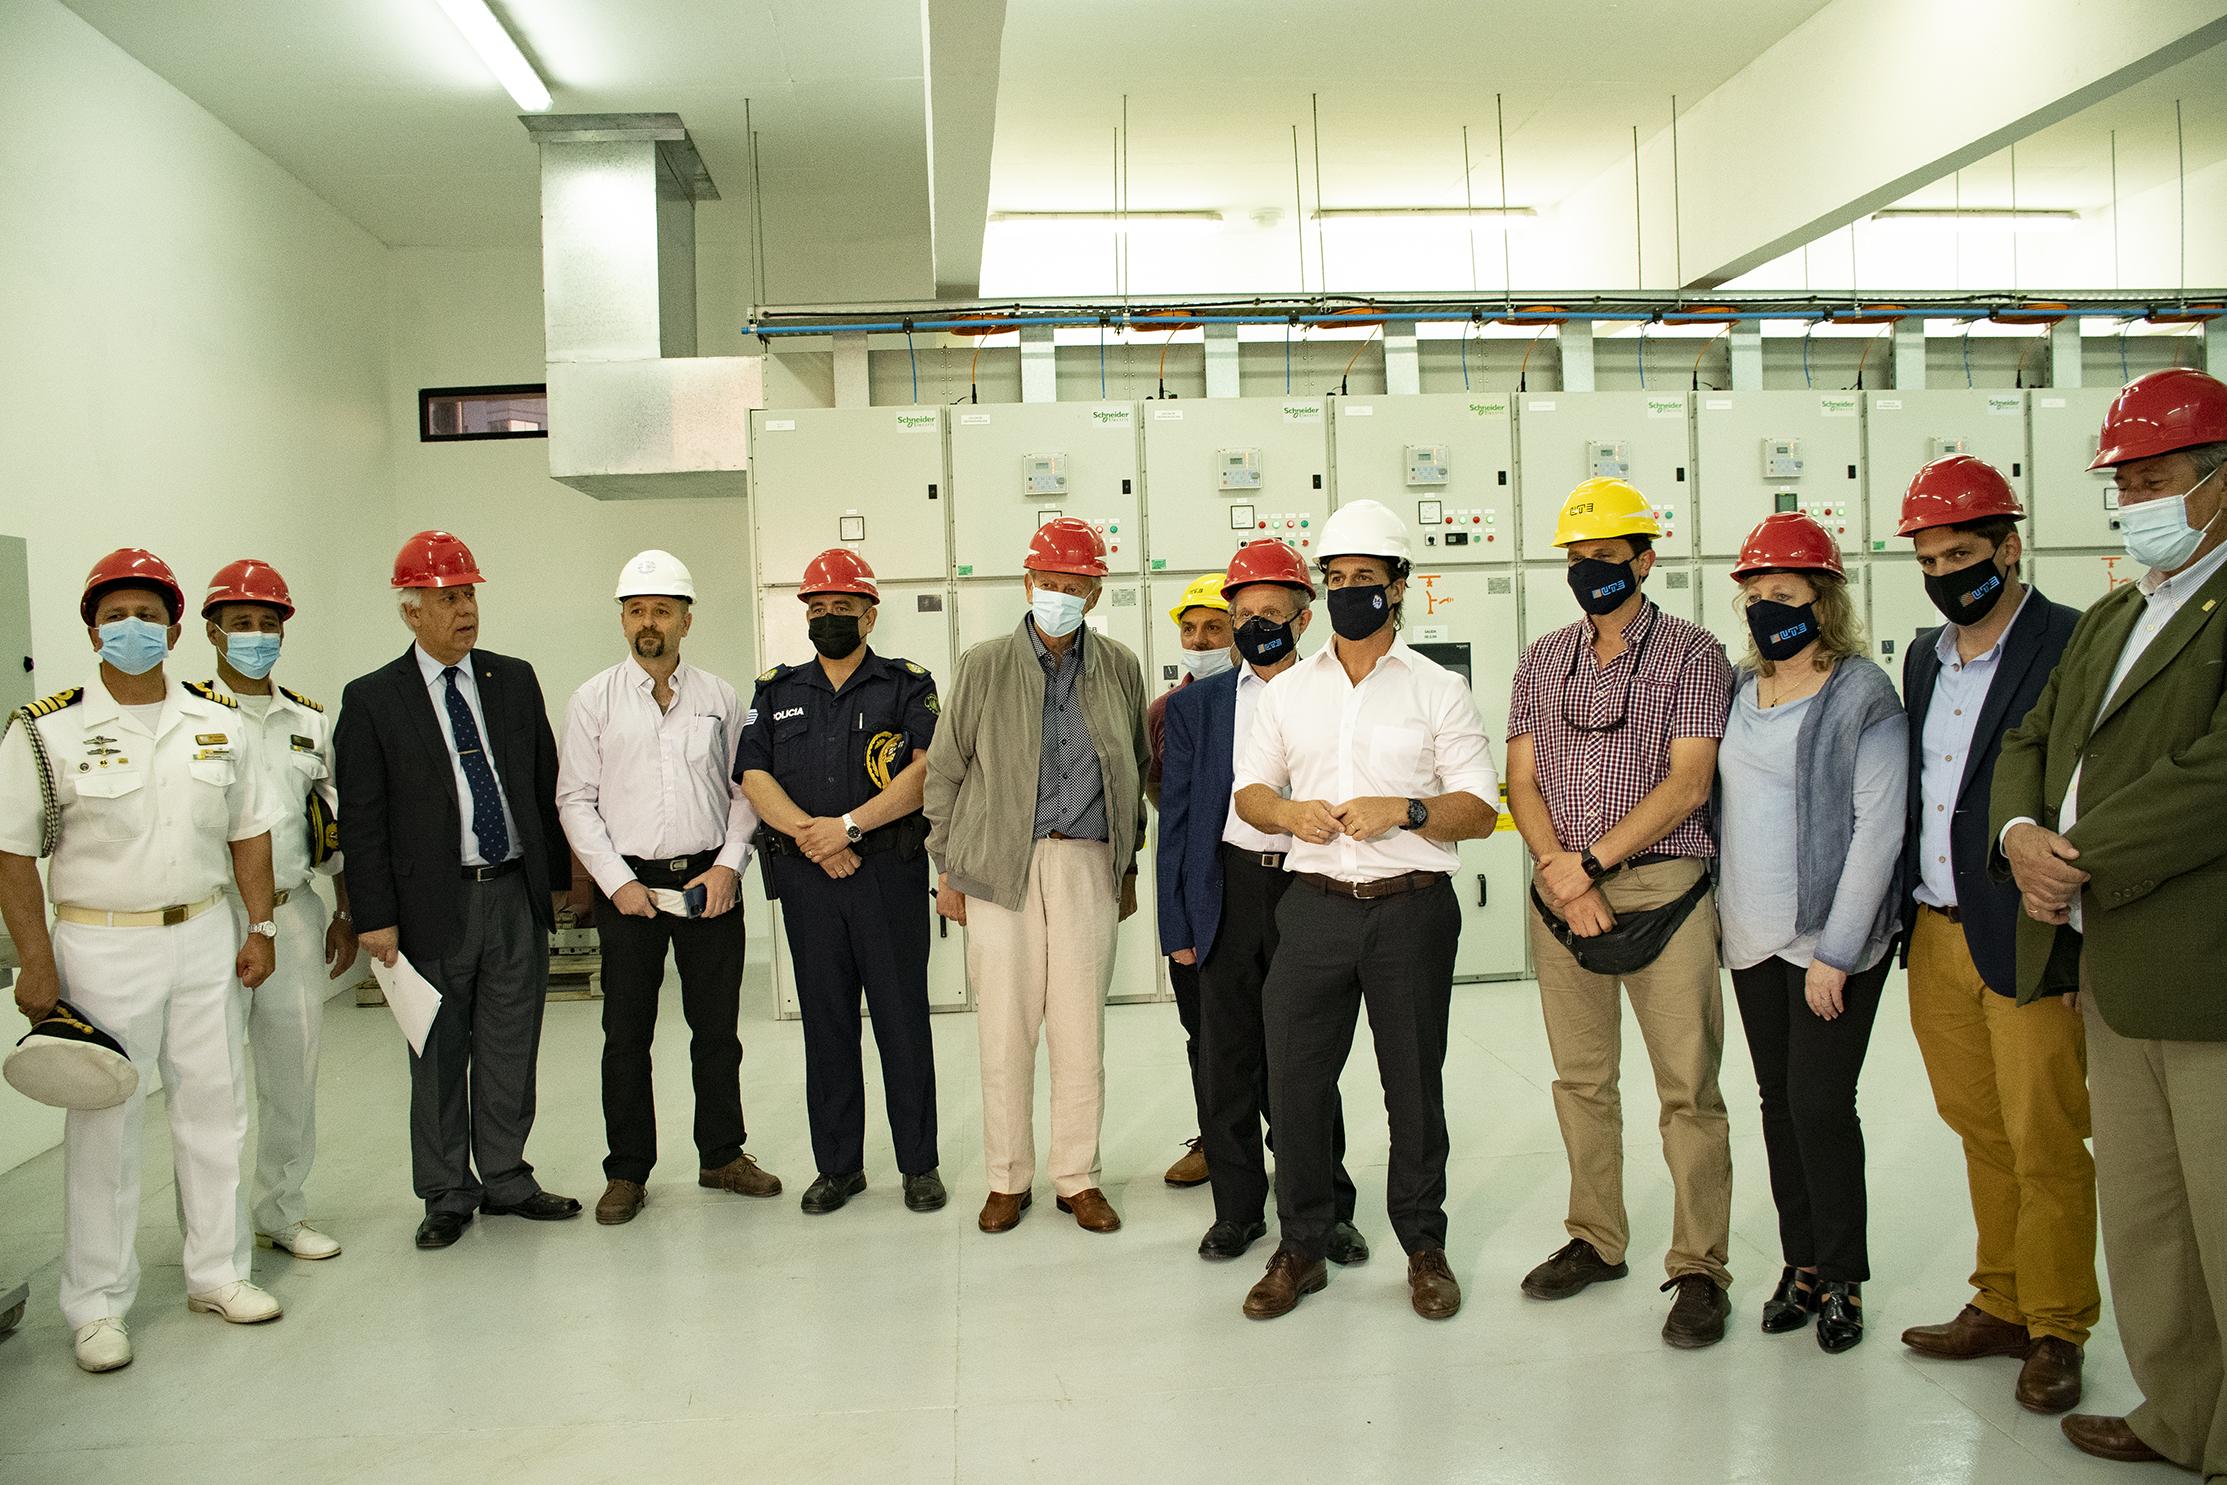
1906,430
1717,602
1015,467
912,622
1564,438
1444,461
1548,604
1199,457
2079,579
1756,453
2068,506
1898,608
869,478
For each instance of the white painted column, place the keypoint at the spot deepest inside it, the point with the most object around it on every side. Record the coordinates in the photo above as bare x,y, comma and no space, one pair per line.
1221,360
1908,337
1576,342
1403,371
1747,356
853,386
1039,372
2064,354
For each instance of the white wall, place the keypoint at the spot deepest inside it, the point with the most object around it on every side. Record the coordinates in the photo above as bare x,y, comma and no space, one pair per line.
193,361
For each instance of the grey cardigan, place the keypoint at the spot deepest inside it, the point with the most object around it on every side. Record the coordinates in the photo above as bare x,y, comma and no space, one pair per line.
980,790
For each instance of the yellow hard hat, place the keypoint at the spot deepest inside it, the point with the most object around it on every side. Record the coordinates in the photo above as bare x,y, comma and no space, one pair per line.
1204,592
1601,508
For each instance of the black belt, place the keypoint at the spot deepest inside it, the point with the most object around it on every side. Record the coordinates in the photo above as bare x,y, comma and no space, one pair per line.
1953,913
489,873
1266,860
1412,881
904,834
1650,858
670,871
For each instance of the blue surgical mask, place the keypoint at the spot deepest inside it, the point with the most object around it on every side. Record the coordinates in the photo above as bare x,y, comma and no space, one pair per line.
1057,614
252,655
134,646
2157,533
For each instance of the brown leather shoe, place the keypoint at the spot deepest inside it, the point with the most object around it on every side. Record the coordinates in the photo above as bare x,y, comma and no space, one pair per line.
1290,1278
2107,1438
743,1177
1191,1169
1002,1212
1973,1333
1431,1287
2049,1382
1091,1211
621,1201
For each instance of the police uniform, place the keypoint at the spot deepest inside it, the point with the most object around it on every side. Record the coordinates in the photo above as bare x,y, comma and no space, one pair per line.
832,751
292,762
144,947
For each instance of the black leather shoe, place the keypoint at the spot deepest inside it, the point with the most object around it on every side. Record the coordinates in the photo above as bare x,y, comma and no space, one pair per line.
440,1229
1226,1240
1346,1246
828,1193
1792,1303
1698,1314
1576,1264
1840,1314
923,1193
542,1206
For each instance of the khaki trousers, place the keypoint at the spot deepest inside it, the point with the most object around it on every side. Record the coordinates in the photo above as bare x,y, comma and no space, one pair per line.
1045,969
2161,1173
2011,1080
1679,1003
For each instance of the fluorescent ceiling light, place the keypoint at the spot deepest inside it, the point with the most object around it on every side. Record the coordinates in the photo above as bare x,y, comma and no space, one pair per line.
1106,218
501,54
1420,213
2019,218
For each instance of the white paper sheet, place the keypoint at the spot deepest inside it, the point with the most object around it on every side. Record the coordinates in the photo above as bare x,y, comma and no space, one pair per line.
412,998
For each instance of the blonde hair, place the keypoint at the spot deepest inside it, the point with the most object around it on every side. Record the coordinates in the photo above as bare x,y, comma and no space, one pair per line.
1840,634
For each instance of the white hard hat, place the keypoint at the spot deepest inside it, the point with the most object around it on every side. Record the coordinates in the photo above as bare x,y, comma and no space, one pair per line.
1365,528
655,573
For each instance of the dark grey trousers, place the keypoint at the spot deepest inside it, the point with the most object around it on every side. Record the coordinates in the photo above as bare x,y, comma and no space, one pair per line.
472,1093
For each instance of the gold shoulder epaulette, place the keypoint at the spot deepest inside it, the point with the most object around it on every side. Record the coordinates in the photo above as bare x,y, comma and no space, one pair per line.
300,700
773,674
208,692
48,705
912,668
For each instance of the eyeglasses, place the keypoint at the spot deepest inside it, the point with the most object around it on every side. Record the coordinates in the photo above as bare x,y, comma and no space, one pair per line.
1637,649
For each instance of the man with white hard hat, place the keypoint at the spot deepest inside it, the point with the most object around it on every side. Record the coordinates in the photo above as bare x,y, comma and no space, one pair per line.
144,794
245,612
644,791
1372,760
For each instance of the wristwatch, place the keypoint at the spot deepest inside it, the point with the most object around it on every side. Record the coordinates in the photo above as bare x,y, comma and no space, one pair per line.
1418,815
267,928
850,829
1594,871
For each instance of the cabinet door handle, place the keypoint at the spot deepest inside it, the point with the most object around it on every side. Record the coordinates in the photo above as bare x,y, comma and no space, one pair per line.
1480,889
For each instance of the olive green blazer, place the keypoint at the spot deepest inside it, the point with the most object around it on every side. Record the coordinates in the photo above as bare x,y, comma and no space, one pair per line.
2152,824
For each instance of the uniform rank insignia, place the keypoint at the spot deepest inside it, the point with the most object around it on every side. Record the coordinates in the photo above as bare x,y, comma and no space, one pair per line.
300,700
302,744
881,757
773,674
46,706
208,692
915,669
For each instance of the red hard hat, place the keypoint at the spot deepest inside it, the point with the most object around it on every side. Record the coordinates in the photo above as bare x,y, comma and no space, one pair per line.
1067,545
839,570
2162,412
1788,542
435,559
248,581
1267,561
132,567
1951,491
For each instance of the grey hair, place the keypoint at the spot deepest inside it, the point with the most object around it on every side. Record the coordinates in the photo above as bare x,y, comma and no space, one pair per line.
410,600
2208,458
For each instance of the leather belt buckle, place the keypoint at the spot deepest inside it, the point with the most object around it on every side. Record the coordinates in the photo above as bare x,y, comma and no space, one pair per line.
677,865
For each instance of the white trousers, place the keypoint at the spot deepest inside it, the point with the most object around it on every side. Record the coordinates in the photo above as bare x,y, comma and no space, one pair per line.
284,1015
169,995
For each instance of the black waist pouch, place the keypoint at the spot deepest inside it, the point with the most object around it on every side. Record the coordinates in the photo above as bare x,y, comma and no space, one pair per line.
1636,941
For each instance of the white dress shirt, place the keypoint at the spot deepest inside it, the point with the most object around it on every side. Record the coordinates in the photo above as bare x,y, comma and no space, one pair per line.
635,779
1408,730
1250,683
1959,694
437,686
292,759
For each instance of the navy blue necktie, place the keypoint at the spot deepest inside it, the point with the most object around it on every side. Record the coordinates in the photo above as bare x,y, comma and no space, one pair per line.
479,772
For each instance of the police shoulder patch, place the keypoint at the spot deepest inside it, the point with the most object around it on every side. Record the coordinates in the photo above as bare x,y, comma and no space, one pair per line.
48,705
300,700
934,704
774,674
912,668
208,692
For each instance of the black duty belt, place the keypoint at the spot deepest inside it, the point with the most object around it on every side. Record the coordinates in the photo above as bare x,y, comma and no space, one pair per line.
1953,913
1412,881
905,834
489,873
1266,860
670,871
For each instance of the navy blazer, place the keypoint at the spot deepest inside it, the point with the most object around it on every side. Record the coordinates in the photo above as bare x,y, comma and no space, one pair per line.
1989,908
1197,769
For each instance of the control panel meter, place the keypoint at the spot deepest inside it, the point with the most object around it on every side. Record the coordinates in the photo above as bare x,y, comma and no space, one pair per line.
1044,474
1426,464
1943,446
1782,458
1609,460
1239,469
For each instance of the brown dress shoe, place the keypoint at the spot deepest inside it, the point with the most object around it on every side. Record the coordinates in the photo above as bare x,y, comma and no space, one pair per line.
2049,1382
1191,1169
2107,1438
1430,1285
1091,1211
1290,1278
621,1200
1973,1333
742,1176
1002,1212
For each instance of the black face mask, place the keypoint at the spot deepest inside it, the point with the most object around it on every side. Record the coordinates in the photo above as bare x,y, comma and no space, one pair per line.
834,635
1263,642
1358,612
1781,629
1602,587
1967,595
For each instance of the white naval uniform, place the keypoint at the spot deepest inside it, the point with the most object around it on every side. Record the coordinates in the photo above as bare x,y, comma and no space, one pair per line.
292,759
146,814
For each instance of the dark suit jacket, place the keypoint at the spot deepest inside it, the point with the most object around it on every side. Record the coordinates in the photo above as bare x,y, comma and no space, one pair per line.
1197,770
1990,908
399,817
2153,794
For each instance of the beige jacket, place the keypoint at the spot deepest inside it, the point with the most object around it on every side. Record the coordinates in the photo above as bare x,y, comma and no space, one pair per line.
982,767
